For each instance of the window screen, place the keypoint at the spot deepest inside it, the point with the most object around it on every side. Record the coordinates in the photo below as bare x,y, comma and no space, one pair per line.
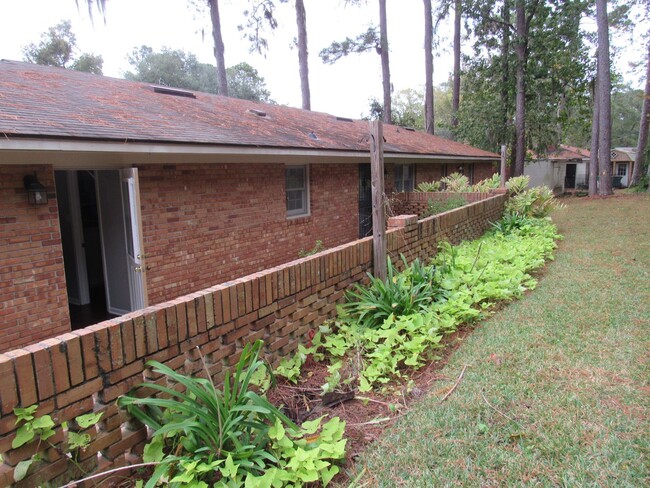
297,190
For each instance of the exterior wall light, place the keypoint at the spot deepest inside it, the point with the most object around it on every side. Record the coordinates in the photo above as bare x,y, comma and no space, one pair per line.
36,193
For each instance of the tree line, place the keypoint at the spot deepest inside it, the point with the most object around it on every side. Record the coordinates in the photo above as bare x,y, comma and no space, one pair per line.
536,77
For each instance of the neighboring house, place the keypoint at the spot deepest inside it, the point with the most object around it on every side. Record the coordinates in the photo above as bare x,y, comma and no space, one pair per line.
623,159
562,169
152,192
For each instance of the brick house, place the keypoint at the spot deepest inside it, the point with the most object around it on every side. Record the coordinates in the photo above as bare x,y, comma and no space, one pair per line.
152,192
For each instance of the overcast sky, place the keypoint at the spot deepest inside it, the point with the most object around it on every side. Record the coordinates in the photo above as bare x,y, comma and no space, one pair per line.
341,89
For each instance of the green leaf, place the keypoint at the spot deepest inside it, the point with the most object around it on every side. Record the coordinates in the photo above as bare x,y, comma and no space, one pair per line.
76,440
25,414
44,422
88,420
20,471
24,434
153,451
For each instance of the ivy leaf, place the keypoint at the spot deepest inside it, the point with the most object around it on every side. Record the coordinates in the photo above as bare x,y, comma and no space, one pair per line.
88,420
24,434
311,427
20,471
76,440
25,414
153,452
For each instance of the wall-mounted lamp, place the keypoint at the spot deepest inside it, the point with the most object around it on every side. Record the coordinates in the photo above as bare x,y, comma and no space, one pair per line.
36,193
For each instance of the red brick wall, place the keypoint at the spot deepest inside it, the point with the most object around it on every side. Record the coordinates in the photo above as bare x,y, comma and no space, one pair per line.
428,173
86,370
33,298
207,224
484,170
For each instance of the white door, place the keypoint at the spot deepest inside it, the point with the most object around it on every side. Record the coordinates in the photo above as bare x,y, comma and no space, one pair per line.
121,248
134,253
621,170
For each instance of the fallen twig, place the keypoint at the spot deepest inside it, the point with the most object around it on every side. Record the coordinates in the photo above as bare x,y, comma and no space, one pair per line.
376,421
109,472
455,385
499,411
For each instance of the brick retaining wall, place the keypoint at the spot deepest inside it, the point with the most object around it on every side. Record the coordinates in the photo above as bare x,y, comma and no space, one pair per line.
417,202
86,370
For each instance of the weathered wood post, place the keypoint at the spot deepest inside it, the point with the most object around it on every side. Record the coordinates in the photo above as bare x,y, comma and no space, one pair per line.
503,166
377,186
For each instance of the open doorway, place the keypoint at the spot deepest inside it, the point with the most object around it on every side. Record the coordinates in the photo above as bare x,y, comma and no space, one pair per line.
101,244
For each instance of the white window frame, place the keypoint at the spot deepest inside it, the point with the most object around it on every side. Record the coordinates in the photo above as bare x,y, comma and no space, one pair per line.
399,182
303,211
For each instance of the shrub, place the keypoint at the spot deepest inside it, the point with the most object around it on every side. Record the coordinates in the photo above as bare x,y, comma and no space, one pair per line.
488,184
403,293
428,186
534,202
517,184
456,183
435,208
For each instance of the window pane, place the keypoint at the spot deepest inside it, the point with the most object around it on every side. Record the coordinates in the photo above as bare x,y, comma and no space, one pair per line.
295,178
296,190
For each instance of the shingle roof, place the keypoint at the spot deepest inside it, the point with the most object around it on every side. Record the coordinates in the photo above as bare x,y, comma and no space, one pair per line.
566,153
46,102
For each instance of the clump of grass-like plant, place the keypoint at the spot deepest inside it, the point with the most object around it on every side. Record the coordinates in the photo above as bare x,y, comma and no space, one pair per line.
405,293
207,436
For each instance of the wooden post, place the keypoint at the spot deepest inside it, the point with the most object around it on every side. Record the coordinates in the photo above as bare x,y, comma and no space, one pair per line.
377,185
503,166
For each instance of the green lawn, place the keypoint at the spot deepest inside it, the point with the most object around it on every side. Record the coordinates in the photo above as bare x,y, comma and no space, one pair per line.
557,390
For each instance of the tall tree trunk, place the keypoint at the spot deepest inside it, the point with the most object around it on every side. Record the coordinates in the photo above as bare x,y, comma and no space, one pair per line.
301,20
593,156
520,110
455,97
643,128
222,81
428,68
505,73
385,69
605,101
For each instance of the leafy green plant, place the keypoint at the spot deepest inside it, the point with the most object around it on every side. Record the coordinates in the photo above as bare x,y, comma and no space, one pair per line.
400,294
457,183
437,207
468,280
517,184
533,202
315,250
488,184
510,222
32,428
224,436
205,423
429,186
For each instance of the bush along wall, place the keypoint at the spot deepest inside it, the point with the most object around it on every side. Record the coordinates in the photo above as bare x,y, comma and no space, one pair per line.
388,328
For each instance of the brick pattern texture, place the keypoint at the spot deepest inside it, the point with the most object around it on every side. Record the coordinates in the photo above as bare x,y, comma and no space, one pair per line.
417,203
33,298
86,370
206,224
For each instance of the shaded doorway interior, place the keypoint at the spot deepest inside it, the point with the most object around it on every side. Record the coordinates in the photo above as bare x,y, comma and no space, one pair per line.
99,227
570,178
82,252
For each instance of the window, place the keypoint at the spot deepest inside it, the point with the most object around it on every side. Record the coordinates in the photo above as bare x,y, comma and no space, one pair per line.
297,188
404,177
621,169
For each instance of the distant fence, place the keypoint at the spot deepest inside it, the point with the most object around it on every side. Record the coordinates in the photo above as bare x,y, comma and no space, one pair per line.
87,370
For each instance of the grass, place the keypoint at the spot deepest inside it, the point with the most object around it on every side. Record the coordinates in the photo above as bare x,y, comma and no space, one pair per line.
556,391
